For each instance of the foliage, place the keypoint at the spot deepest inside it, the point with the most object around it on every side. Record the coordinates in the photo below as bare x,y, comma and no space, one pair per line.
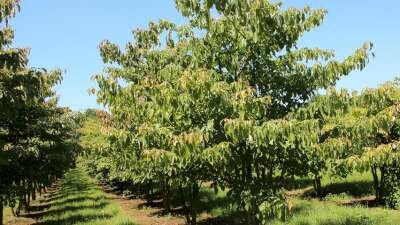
227,99
359,132
209,101
37,141
93,141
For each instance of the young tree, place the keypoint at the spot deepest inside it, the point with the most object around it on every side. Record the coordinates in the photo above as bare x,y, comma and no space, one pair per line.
150,90
358,132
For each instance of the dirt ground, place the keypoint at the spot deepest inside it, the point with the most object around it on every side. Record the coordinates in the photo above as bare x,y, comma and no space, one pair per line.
140,213
37,209
137,210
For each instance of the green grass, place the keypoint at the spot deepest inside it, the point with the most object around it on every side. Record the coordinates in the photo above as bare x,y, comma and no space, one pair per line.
214,204
80,202
313,212
354,185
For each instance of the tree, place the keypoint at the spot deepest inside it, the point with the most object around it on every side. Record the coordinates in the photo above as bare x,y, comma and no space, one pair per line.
37,144
161,92
374,136
358,132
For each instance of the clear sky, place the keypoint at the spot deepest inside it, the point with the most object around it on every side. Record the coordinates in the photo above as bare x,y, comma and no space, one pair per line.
65,34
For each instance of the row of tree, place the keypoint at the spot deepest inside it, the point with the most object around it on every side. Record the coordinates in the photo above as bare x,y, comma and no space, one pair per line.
229,98
38,142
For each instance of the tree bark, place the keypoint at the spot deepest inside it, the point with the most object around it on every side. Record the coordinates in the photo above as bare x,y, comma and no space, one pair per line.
376,184
1,210
35,186
166,197
28,202
150,193
21,202
318,186
185,208
194,203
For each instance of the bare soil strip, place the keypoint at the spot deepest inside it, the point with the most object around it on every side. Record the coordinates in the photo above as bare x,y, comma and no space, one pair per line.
135,209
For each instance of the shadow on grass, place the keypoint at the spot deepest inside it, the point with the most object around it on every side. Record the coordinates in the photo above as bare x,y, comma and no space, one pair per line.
72,209
297,183
75,219
355,188
34,214
346,221
78,201
209,201
368,202
40,207
351,221
233,218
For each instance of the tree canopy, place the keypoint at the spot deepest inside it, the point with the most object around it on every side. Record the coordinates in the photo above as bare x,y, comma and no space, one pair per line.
37,138
210,100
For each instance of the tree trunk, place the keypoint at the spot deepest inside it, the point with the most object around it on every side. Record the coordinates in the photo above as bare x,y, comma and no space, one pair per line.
377,186
194,203
28,202
185,208
166,197
150,193
20,204
383,189
1,210
34,188
317,186
40,189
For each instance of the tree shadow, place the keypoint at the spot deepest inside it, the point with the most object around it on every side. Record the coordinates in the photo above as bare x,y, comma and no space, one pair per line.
40,207
221,221
297,183
233,218
79,199
209,201
34,214
362,220
63,199
56,212
368,202
155,203
355,188
75,219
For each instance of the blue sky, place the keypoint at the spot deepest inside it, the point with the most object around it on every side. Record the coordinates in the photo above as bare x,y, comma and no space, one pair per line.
65,34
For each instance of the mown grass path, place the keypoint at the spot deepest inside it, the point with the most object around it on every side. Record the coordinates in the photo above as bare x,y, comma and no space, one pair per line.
77,200
80,202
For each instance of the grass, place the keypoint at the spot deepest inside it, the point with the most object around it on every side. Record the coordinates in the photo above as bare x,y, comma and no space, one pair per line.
313,212
214,204
354,185
309,211
10,219
80,202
